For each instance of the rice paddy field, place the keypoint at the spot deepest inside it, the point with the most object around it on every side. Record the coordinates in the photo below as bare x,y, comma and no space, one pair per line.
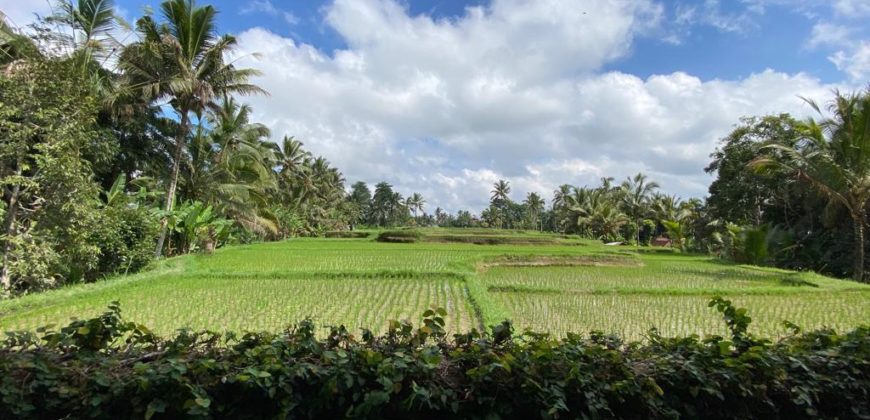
541,282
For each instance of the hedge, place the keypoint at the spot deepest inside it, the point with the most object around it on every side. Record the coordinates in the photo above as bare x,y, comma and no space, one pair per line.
110,368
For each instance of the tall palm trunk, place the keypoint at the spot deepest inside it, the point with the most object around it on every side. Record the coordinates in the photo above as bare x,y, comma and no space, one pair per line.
858,218
11,214
173,182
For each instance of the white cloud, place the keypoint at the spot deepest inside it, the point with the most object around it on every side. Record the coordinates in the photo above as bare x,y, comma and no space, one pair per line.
710,13
848,44
513,90
855,63
852,8
826,34
266,6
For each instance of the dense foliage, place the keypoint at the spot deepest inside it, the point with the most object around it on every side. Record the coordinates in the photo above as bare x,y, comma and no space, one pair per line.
107,367
94,172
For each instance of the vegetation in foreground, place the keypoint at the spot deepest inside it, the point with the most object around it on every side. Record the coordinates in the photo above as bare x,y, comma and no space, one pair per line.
560,287
107,367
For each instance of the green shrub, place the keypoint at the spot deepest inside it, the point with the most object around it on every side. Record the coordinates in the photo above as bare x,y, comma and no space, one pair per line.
400,236
126,237
108,368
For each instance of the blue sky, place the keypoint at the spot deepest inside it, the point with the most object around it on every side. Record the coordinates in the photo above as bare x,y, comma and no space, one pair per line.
775,37
444,97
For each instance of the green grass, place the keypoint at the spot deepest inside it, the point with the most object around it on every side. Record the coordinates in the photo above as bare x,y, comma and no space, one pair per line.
566,285
227,304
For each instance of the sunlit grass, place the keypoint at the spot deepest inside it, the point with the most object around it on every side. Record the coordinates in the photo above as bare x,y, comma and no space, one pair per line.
221,304
631,316
577,286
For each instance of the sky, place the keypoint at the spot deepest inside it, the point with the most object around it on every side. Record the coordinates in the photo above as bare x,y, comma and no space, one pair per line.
445,97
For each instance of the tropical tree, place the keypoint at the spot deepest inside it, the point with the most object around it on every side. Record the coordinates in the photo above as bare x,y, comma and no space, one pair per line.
50,203
743,196
534,205
230,167
88,36
560,207
361,198
415,203
833,156
636,192
604,220
500,191
383,204
182,60
497,214
664,207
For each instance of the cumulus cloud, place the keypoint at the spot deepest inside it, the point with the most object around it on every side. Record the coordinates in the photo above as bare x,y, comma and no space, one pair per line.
512,90
852,8
826,34
855,63
846,41
266,6
711,13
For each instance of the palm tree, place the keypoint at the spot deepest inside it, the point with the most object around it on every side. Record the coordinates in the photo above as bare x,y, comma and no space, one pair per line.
291,156
833,156
182,60
535,205
601,217
415,203
239,167
233,131
561,208
636,192
500,191
665,207
89,39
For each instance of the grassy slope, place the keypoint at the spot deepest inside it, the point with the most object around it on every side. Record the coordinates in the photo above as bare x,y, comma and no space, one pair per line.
364,283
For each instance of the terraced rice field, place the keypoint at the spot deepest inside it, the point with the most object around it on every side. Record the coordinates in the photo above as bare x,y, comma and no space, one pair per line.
566,286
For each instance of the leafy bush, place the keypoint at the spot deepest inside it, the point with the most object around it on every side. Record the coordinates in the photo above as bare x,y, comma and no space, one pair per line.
400,236
109,368
126,237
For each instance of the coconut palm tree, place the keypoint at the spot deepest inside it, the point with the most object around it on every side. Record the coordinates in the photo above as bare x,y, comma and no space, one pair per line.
87,36
182,61
500,191
233,131
415,203
561,208
636,192
535,205
291,157
230,169
665,207
833,156
601,217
